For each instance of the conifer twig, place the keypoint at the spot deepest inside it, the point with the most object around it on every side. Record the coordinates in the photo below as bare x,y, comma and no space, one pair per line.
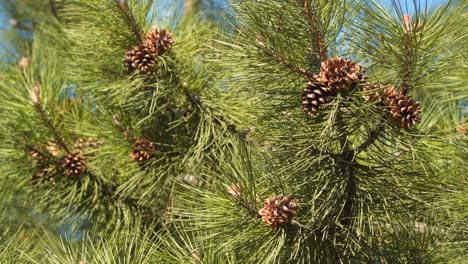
348,162
37,151
259,41
35,96
130,19
290,65
128,135
198,102
407,41
315,27
406,68
373,136
250,207
349,201
53,8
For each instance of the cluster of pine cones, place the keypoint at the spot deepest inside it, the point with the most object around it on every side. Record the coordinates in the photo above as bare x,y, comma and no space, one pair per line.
72,164
336,75
402,110
341,75
143,57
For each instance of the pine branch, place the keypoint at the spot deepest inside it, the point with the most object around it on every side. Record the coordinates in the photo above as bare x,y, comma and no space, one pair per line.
109,190
197,102
47,119
250,207
348,162
291,66
407,72
39,152
53,8
315,27
130,19
340,124
128,135
283,60
349,202
373,136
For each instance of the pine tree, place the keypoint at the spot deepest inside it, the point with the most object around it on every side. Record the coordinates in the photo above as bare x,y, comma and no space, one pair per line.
309,132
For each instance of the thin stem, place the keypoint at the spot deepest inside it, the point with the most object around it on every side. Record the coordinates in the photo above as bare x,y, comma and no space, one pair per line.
50,124
283,60
291,66
340,124
128,135
350,194
373,136
40,153
53,8
315,27
197,101
130,19
348,162
250,207
407,72
109,191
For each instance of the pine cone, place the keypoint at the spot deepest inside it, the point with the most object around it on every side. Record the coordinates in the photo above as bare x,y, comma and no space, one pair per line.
377,92
463,128
39,155
141,57
234,190
73,164
404,111
278,210
314,95
44,176
390,93
36,154
340,74
161,40
84,143
142,150
53,148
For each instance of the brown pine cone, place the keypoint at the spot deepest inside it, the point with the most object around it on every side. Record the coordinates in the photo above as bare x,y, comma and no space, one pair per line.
378,93
340,74
161,40
73,164
53,148
390,93
44,176
278,210
37,155
463,128
142,150
84,143
314,95
141,57
404,111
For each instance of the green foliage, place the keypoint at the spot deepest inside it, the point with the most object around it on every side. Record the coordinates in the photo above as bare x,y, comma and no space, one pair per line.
223,116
